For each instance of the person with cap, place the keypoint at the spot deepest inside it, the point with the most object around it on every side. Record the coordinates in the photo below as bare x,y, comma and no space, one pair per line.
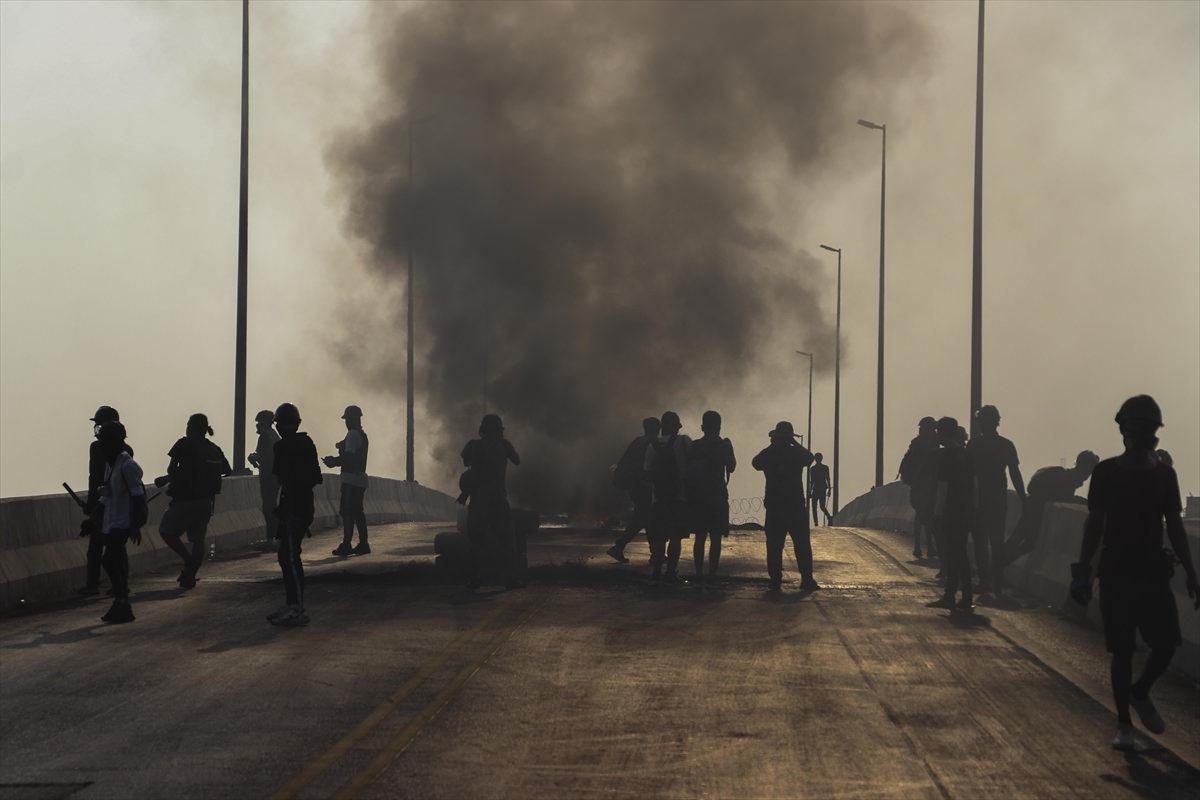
123,499
352,459
666,465
710,462
628,476
298,471
263,459
991,456
1048,485
918,470
92,508
193,481
956,511
783,463
1130,498
819,488
489,517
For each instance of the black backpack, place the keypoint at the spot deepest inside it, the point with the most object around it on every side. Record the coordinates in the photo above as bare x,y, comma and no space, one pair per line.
665,474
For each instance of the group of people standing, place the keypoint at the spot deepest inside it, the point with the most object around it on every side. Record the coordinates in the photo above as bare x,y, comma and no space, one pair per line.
116,505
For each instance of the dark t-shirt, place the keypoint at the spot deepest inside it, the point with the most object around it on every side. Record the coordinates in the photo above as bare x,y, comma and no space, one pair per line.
991,456
1134,503
954,468
783,465
708,462
488,459
97,470
196,469
296,465
818,478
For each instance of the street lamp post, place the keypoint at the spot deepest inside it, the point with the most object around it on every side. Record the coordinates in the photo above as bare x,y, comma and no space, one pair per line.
239,375
837,377
410,425
808,471
977,247
879,376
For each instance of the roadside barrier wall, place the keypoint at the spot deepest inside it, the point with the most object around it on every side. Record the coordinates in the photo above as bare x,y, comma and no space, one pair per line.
1045,573
43,558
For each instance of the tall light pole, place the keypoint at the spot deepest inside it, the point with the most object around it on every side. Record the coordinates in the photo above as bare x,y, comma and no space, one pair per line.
837,377
977,248
239,375
410,426
879,376
808,470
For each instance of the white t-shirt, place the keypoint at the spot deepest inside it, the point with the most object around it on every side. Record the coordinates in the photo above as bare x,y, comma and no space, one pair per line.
355,442
122,479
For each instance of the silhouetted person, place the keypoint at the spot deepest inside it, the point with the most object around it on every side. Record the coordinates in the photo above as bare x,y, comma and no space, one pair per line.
954,472
92,526
1165,457
710,462
918,470
819,488
666,466
629,476
489,517
194,481
263,459
123,499
782,463
352,458
990,456
1129,500
1048,485
298,472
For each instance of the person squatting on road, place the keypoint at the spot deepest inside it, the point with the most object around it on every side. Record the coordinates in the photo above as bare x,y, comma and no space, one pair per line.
489,517
1129,499
628,476
954,472
352,458
263,459
666,466
93,510
710,462
194,478
819,488
918,470
989,455
783,462
1048,485
124,502
298,471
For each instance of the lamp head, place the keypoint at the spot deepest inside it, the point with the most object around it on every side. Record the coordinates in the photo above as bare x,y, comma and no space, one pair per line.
870,125
831,249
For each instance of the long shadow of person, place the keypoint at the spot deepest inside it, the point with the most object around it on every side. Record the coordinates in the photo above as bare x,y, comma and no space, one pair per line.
256,638
66,637
1146,779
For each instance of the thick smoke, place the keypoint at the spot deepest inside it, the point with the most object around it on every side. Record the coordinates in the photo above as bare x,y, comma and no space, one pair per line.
592,211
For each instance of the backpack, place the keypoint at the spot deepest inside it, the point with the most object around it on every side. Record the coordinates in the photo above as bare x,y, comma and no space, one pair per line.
665,474
909,466
705,474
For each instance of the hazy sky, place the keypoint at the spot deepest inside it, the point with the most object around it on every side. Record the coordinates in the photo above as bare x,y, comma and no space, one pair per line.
118,234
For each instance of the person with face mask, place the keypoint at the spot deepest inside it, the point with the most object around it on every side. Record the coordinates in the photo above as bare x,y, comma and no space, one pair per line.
957,507
263,459
91,527
782,464
489,516
298,471
1130,498
123,498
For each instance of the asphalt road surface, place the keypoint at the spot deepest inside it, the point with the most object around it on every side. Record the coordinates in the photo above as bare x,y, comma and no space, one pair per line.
589,683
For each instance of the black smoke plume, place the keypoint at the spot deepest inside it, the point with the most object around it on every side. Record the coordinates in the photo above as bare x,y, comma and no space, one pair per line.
591,214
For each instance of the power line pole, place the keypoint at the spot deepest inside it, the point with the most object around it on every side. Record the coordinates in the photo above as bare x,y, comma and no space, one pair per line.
977,250
882,239
837,377
239,377
410,426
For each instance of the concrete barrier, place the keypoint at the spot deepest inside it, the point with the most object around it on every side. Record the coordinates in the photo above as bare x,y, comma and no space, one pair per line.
1044,573
43,558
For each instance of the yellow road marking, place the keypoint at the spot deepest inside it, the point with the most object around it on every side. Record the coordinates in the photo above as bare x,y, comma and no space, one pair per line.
400,742
327,759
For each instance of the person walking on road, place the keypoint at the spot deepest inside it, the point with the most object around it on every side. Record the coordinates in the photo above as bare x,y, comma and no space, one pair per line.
918,470
489,516
194,478
352,459
782,463
990,455
93,510
263,459
1048,485
819,488
1129,500
666,464
710,462
954,472
123,499
628,475
298,471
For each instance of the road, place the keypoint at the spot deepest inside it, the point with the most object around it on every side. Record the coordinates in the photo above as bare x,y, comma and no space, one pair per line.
589,683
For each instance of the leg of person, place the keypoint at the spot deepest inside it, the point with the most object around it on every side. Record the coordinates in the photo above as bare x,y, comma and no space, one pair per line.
1158,620
200,514
802,545
1117,598
979,547
360,520
477,534
291,536
816,520
171,528
268,488
776,533
1025,534
115,564
717,535
825,511
346,512
674,546
995,543
698,550
95,558
505,537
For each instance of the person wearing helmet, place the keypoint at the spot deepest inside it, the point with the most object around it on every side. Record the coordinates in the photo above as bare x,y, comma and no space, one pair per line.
1048,485
1129,500
298,471
352,459
710,462
123,499
918,470
263,459
92,508
819,488
991,456
782,464
193,482
666,464
628,475
956,512
489,516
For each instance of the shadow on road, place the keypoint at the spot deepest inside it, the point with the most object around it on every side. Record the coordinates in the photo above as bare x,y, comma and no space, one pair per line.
66,637
1156,774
